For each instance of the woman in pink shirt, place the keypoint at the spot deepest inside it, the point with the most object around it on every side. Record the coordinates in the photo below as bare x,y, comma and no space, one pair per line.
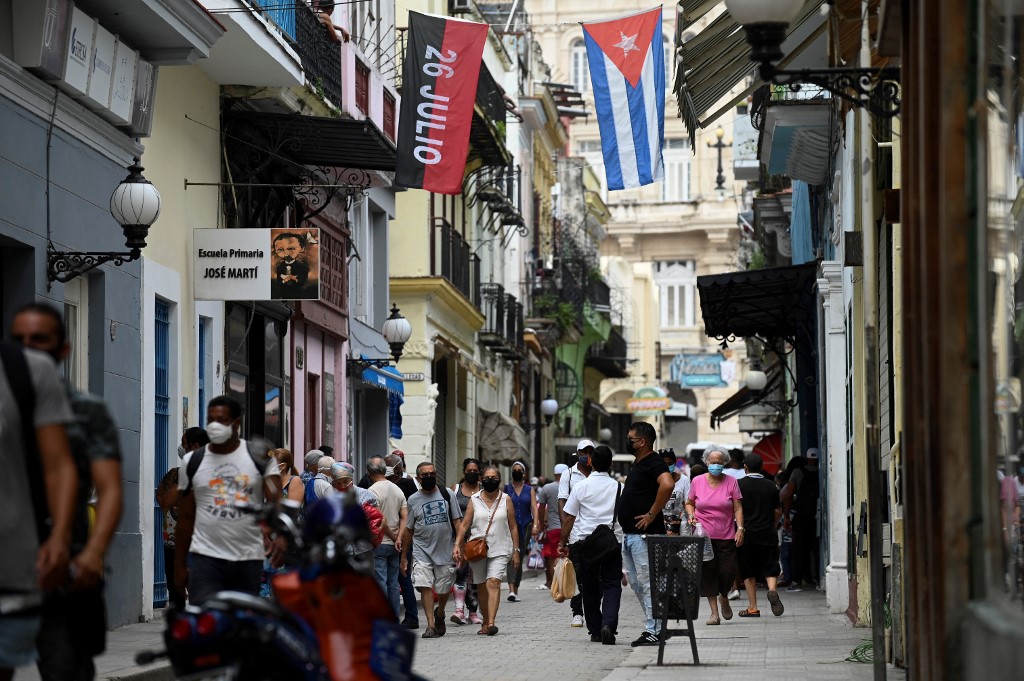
714,502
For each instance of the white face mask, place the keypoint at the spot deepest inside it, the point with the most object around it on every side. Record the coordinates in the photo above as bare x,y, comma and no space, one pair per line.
218,432
389,472
182,452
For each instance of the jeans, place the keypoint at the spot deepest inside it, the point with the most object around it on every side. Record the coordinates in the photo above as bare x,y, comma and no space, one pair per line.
386,563
208,575
601,590
516,576
638,571
408,592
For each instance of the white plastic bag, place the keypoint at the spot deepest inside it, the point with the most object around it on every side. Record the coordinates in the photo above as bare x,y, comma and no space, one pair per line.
696,530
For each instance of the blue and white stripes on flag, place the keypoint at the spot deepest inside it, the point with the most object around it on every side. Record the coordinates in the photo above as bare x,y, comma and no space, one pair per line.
627,70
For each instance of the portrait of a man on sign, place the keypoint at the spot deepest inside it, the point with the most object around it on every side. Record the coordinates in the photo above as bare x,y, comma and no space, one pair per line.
296,264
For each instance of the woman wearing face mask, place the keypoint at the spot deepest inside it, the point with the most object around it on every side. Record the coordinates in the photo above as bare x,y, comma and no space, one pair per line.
524,500
465,589
291,484
490,515
168,495
714,502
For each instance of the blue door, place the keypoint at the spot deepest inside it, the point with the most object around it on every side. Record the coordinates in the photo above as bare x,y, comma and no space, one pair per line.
161,424
201,407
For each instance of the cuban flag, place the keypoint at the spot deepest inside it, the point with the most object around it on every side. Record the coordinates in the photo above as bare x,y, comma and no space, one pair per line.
627,70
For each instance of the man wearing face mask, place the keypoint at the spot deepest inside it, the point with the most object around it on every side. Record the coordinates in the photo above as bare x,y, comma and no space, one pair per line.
168,496
224,547
74,621
648,487
430,529
576,474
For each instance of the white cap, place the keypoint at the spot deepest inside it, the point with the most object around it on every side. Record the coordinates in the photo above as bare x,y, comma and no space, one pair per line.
584,444
812,453
560,468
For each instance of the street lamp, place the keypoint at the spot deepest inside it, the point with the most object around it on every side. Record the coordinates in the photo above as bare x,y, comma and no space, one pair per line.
604,435
765,24
756,380
396,332
548,409
135,204
719,144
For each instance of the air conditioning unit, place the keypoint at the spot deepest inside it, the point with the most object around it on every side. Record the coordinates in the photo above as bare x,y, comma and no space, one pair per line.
759,418
460,6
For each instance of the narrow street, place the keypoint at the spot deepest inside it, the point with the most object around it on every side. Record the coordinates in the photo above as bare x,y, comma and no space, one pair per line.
535,640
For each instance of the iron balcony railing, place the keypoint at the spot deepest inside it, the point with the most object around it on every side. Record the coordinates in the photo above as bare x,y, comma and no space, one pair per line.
503,329
281,13
321,57
610,357
452,258
598,293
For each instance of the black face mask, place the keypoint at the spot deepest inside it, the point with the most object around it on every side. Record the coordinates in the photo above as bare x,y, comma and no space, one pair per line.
472,477
518,475
490,484
428,482
630,447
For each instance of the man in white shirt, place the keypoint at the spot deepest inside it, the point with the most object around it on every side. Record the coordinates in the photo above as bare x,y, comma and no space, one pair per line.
218,546
734,468
591,504
576,474
394,508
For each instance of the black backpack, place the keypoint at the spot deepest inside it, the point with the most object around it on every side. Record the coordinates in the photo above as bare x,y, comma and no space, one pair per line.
807,493
20,381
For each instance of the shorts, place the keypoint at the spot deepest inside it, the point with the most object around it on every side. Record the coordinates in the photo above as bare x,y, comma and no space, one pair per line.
491,567
18,640
758,561
440,578
551,543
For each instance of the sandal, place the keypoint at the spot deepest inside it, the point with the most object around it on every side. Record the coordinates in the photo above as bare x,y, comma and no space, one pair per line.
492,630
482,632
747,612
713,620
723,605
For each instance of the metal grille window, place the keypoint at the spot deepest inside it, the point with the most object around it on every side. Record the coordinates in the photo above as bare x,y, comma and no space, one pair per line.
161,426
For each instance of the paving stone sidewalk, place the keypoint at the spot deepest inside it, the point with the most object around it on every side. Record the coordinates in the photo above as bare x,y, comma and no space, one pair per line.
535,641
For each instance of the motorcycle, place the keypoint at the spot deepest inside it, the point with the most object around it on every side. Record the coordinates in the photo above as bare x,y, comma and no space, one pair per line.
328,621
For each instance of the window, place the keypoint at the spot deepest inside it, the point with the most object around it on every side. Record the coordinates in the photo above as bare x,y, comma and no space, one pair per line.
580,75
676,185
362,87
389,115
161,433
670,59
76,326
677,284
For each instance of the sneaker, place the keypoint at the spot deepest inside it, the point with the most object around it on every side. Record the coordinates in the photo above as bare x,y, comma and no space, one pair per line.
542,587
439,626
410,623
777,607
429,633
595,638
459,617
734,595
577,621
514,598
793,588
646,639
607,637
475,618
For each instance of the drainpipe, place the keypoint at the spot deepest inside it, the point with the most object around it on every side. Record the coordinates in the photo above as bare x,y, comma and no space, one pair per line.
876,485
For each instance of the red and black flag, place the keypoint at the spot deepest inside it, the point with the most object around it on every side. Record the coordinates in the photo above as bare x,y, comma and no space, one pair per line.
439,79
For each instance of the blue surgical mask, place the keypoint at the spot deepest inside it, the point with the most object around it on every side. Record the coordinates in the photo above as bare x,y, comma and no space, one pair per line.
715,469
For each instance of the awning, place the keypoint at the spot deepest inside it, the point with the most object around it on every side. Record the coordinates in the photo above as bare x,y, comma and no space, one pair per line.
324,141
502,439
387,378
770,451
777,302
716,60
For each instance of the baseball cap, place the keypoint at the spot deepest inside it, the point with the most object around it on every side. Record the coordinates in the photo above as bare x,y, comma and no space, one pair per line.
812,453
560,468
312,457
584,444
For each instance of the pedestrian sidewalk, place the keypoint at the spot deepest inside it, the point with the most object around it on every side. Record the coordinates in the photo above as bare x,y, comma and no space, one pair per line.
535,640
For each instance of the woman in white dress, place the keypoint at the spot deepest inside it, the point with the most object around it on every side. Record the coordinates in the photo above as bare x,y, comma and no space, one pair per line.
489,515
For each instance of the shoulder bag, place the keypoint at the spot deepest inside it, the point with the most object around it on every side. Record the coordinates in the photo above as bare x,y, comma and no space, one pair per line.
602,542
476,549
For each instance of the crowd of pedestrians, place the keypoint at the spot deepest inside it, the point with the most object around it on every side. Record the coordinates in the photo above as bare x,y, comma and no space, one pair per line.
429,540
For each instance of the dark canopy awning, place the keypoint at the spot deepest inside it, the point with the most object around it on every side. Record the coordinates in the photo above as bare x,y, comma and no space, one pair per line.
770,303
323,141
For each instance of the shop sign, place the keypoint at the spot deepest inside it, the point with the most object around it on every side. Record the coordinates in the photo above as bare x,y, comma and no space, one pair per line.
414,377
698,370
101,69
648,400
256,264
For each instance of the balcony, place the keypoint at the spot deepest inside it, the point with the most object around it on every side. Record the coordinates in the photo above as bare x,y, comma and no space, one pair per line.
599,295
503,328
452,258
487,133
320,56
610,357
559,297
258,48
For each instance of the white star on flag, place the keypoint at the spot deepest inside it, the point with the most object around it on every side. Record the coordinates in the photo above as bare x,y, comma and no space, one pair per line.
628,44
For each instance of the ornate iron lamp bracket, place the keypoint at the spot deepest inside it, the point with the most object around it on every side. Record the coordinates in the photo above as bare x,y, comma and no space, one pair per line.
63,266
363,364
877,90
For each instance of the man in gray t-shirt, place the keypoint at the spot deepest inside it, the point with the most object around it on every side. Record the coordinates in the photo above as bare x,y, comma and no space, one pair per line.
551,520
430,526
26,566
